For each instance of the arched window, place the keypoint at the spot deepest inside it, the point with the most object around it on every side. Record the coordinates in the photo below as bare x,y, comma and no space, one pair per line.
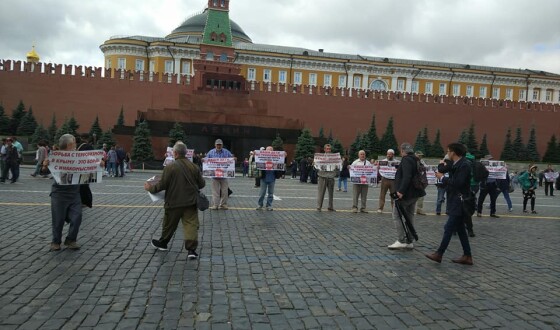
378,85
215,3
213,36
222,37
223,3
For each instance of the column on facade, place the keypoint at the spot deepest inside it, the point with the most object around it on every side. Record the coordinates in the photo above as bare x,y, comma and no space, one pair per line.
408,85
394,83
543,94
177,70
529,94
350,82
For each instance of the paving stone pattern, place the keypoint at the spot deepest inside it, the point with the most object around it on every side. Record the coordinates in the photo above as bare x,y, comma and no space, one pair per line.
291,268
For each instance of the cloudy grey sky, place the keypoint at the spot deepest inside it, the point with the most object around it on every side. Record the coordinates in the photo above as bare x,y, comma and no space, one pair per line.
506,33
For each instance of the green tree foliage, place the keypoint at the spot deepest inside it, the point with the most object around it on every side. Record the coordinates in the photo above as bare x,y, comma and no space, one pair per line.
519,148
337,147
472,144
419,143
372,145
532,151
484,146
321,133
388,140
426,141
27,124
177,133
40,134
508,153
142,146
4,121
73,125
52,130
278,143
356,146
437,149
96,129
17,115
305,146
106,138
120,120
552,153
64,129
464,137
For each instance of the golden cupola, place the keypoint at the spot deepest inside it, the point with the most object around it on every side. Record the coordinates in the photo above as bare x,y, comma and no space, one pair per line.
32,56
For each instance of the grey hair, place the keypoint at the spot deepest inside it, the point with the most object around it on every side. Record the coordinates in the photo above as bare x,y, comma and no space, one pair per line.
65,140
180,148
407,148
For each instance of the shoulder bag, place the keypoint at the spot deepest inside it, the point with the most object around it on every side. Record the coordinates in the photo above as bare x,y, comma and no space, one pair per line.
202,202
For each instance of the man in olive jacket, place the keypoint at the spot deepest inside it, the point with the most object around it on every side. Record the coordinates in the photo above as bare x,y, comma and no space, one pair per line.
181,181
407,193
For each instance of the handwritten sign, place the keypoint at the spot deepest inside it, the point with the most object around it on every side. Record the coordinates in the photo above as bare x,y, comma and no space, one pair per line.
270,160
327,161
76,167
363,174
219,168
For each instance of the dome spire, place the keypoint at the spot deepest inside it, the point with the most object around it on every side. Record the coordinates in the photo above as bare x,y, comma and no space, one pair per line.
32,56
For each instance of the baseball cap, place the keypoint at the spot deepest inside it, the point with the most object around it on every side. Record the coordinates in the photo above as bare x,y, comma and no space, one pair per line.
218,141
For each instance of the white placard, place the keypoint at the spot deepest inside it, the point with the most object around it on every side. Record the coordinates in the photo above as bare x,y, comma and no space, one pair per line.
76,167
170,159
363,174
496,169
270,160
388,169
431,173
327,161
550,176
221,168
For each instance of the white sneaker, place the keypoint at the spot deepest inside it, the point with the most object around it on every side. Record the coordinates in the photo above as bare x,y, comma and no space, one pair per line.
379,211
398,246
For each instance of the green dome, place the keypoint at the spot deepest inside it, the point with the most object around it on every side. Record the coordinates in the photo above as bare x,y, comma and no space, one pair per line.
194,26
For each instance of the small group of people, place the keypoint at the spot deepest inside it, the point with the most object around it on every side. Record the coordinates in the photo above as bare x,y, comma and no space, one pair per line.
117,160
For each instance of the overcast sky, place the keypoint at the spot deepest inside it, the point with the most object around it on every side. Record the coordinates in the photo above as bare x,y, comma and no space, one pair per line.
515,34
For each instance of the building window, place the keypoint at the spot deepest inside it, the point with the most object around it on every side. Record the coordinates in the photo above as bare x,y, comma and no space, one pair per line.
223,57
495,93
282,77
442,89
186,69
122,64
482,91
470,91
210,56
357,82
509,93
536,95
327,80
251,74
313,79
429,88
414,87
456,90
522,95
139,65
267,75
378,85
108,64
297,78
168,66
400,85
341,81
223,3
548,96
215,2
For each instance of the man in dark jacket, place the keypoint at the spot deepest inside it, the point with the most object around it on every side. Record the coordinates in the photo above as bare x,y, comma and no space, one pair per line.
121,155
457,185
407,194
181,181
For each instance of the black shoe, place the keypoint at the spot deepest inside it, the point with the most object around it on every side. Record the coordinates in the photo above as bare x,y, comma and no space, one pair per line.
494,216
159,245
471,233
192,254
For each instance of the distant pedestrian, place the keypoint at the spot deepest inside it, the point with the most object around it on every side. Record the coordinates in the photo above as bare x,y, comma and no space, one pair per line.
344,175
528,181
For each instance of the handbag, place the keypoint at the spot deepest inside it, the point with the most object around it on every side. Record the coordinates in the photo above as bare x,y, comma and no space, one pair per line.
468,203
202,202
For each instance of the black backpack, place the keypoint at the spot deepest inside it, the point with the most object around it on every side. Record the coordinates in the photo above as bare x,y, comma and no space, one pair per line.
480,172
420,179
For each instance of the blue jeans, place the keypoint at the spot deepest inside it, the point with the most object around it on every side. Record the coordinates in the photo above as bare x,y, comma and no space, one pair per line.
270,197
507,198
440,199
343,180
455,223
112,168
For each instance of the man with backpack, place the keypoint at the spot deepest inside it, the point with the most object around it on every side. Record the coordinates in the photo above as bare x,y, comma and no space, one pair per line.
407,193
487,187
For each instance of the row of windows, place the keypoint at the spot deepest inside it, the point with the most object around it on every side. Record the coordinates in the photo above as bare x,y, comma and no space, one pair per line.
380,85
140,66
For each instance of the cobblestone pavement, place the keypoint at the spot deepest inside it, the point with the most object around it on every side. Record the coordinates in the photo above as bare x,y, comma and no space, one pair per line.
292,268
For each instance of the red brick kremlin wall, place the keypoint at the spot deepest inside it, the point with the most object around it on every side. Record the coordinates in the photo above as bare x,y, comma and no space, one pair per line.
88,92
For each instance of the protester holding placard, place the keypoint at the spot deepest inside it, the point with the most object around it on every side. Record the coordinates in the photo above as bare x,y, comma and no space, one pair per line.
326,164
220,185
69,169
269,173
549,177
361,189
388,179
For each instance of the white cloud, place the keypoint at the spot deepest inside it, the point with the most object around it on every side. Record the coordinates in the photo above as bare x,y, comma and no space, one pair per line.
505,33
